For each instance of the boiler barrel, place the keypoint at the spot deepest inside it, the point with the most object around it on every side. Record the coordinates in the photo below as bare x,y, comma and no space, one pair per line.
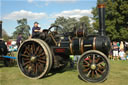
80,45
100,43
75,46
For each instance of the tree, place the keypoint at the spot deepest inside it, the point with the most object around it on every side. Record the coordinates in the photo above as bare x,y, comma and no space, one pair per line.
68,24
86,20
116,19
5,35
22,28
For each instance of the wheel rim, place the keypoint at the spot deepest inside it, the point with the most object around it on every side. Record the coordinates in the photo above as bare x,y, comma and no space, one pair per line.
93,67
33,59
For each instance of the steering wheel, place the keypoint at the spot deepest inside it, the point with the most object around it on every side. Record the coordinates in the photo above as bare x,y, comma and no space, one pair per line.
50,29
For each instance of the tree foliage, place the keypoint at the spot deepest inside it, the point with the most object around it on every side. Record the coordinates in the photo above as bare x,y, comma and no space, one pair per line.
68,24
116,19
5,35
86,21
22,28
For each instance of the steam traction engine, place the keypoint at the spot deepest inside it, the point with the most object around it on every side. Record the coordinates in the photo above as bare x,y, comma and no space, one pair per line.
4,50
50,50
3,47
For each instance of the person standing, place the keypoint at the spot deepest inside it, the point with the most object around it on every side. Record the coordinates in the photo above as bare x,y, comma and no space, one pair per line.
19,40
122,54
111,52
115,51
36,30
121,45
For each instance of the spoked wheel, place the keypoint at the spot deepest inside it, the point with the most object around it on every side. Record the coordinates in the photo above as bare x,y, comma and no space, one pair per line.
34,58
93,66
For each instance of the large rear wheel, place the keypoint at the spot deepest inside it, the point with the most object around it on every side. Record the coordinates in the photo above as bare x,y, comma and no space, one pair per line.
34,58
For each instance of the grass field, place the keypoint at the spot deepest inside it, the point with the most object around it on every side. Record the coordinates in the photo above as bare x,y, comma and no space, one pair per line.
118,76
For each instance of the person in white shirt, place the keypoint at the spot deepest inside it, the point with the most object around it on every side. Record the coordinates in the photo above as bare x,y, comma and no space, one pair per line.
122,54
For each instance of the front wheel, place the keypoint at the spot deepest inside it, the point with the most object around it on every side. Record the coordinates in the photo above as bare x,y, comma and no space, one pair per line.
93,66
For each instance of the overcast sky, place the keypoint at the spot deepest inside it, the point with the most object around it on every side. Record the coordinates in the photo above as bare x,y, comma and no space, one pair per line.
43,11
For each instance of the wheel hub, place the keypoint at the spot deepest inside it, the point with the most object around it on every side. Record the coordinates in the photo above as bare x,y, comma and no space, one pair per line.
93,66
33,59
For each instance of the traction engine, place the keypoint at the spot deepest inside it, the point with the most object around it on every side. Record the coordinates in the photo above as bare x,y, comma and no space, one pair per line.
50,50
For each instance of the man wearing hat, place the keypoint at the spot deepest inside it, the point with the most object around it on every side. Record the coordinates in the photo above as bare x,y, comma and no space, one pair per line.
19,40
36,30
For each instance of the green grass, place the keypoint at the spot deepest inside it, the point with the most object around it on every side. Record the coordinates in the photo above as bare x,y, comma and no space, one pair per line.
118,76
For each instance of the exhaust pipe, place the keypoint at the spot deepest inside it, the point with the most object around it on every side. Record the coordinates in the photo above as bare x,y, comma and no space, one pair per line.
101,8
0,29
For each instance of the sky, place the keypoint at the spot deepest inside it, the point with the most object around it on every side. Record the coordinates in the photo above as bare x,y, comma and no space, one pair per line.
43,11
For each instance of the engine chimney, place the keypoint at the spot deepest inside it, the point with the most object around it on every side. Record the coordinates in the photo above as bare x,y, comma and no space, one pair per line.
0,29
101,8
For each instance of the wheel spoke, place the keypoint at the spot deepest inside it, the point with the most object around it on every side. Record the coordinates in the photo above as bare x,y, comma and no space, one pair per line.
26,59
86,65
33,46
36,68
37,49
33,68
86,69
97,60
86,62
92,73
28,62
30,70
93,58
32,49
41,61
43,58
96,73
28,48
101,66
40,67
25,55
88,73
40,51
101,72
26,52
42,54
89,58
100,63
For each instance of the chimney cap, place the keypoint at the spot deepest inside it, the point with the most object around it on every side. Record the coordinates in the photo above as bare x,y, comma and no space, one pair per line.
0,21
101,5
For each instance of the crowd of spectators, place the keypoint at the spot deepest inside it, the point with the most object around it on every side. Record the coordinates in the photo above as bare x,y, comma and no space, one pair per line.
119,51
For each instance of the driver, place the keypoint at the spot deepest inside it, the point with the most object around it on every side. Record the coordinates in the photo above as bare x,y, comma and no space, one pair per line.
36,30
